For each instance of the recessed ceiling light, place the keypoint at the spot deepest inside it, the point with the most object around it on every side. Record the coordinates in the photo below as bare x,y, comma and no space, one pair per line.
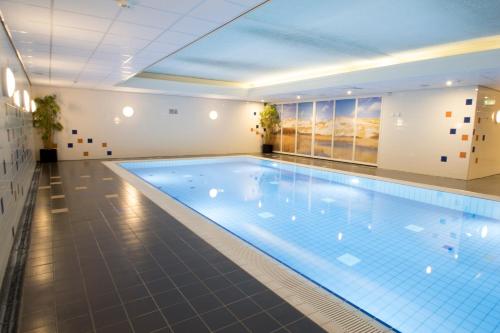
26,100
128,111
349,92
299,97
449,83
17,98
262,101
9,80
33,106
213,114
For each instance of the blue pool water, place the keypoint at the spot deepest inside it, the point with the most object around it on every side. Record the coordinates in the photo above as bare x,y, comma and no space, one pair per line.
419,260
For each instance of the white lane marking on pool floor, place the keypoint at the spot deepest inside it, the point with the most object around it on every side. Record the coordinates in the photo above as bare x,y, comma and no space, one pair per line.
273,183
414,228
328,200
266,215
348,259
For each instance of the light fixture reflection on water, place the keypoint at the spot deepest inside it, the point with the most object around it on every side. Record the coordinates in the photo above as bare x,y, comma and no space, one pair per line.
294,217
355,181
428,269
213,193
340,236
260,204
484,231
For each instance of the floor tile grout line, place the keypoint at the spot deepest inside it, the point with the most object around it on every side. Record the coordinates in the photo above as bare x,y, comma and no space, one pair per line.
135,270
224,305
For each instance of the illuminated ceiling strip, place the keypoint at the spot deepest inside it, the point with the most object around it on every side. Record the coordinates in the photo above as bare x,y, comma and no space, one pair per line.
433,52
189,79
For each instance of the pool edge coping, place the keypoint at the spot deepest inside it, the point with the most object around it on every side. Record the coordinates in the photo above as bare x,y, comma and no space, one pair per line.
315,302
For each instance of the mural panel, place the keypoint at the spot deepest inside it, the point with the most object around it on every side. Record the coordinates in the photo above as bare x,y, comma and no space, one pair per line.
343,140
323,134
367,129
304,128
277,132
289,122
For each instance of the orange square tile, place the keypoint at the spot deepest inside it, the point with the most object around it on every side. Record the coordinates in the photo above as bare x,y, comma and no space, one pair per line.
80,140
478,120
448,114
463,154
251,129
85,153
477,160
465,137
104,145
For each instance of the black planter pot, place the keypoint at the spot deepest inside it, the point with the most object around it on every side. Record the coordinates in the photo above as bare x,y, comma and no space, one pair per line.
48,155
267,149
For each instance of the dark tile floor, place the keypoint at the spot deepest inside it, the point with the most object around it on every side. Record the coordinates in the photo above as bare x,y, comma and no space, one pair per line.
103,258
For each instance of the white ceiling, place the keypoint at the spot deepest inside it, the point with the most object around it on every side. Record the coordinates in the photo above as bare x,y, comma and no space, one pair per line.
213,48
95,43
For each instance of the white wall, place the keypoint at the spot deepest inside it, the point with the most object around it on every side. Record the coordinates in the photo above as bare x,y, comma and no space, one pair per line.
151,131
16,154
415,131
485,158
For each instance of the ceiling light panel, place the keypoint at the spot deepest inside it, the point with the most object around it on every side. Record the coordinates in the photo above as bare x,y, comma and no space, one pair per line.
98,8
148,17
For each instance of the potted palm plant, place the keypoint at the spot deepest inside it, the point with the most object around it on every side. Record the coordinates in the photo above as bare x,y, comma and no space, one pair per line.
269,121
46,120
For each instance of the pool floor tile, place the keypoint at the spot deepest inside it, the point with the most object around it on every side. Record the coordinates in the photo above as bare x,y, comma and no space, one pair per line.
349,259
266,215
414,228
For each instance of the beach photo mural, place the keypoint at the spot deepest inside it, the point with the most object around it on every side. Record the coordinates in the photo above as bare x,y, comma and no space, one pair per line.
367,129
304,128
277,132
343,138
323,130
288,123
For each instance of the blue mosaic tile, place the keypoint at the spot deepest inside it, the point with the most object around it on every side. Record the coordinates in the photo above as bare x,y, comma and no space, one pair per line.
444,159
453,131
109,153
74,131
89,140
467,120
468,101
70,145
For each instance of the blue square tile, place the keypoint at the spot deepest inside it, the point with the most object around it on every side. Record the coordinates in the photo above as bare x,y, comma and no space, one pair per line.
70,145
109,153
466,120
74,132
444,158
89,140
468,101
453,131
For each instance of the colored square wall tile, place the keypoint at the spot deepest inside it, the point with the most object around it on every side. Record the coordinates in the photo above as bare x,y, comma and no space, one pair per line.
467,120
468,101
448,114
89,140
85,153
462,154
109,153
453,131
74,131
80,140
104,145
70,145
444,159
465,137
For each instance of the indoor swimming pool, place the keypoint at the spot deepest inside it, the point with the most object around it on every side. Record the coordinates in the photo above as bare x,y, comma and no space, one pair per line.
415,258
